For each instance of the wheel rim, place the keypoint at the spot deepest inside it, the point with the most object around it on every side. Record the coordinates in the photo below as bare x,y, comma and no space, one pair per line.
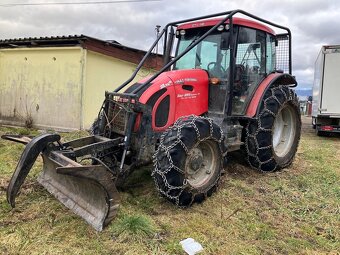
201,164
284,130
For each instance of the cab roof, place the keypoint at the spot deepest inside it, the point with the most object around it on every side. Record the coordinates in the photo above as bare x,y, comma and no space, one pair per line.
237,21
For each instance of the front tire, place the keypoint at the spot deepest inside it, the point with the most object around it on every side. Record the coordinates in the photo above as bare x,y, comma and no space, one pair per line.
272,139
189,160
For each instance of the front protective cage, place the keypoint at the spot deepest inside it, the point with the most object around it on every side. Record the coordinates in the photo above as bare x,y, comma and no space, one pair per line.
116,111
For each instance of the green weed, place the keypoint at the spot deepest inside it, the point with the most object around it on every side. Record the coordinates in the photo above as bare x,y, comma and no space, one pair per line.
135,226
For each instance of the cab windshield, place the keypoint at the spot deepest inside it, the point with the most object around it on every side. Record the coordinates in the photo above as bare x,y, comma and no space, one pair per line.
206,55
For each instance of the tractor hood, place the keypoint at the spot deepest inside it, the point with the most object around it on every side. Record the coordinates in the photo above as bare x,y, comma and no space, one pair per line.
174,94
195,79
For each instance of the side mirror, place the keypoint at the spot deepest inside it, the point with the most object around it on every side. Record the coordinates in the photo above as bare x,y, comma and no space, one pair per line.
225,41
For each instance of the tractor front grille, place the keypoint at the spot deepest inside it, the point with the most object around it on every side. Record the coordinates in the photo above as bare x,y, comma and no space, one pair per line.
119,119
118,112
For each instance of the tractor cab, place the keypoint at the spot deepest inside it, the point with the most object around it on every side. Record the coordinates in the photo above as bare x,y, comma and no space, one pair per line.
252,60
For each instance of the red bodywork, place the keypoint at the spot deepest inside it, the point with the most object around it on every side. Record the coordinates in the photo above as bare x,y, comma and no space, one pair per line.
255,101
188,92
236,21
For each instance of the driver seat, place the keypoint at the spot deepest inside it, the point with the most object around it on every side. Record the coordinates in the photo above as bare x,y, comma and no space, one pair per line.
239,80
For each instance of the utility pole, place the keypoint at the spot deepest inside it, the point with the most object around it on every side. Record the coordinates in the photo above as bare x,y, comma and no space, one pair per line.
157,29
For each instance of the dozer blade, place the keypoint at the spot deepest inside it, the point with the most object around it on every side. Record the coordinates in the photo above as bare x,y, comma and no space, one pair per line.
27,159
89,191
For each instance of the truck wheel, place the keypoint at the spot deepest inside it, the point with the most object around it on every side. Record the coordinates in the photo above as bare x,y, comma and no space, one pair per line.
189,160
272,138
318,132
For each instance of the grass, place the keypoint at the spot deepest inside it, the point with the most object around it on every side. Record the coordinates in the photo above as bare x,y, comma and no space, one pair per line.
296,211
136,226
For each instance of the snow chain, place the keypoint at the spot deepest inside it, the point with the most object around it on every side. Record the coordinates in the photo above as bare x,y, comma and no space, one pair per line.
165,150
289,95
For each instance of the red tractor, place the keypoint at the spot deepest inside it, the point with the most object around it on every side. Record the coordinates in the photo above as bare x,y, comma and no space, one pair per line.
227,87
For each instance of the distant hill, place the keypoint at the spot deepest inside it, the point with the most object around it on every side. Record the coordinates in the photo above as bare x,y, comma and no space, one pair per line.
304,93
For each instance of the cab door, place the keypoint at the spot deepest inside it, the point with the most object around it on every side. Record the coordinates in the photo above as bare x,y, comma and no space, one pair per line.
250,67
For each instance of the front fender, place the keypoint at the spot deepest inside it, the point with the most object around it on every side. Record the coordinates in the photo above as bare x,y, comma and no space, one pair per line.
274,78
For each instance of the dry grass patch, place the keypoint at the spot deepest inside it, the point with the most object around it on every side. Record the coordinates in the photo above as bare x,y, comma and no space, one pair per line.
295,211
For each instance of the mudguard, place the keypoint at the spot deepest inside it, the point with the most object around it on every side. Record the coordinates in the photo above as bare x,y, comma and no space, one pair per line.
274,78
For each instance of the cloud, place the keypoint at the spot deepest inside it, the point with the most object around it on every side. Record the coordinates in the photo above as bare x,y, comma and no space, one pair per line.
313,22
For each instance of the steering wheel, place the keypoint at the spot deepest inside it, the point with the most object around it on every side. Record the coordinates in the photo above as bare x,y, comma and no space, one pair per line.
214,70
255,69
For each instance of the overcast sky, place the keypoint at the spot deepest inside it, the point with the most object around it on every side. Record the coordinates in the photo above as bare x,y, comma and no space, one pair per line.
313,22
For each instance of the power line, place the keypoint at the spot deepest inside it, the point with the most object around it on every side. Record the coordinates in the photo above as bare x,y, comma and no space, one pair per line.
77,3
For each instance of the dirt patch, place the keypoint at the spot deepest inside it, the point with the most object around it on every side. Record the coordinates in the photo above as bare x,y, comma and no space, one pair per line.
3,184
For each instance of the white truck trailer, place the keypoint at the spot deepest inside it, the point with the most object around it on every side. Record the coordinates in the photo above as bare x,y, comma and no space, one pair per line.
326,91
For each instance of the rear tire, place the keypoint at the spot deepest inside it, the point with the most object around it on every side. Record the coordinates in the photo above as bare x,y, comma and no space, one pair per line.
189,160
272,138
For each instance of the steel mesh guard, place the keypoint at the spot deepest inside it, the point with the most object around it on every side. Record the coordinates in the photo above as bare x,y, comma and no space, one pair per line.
282,53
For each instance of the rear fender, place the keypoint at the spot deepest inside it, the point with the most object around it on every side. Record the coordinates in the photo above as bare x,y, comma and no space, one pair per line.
274,78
